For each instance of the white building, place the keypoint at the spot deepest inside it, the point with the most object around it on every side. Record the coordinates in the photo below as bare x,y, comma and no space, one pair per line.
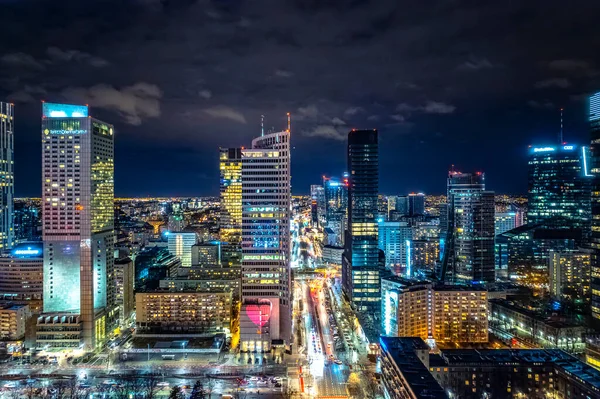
266,196
180,244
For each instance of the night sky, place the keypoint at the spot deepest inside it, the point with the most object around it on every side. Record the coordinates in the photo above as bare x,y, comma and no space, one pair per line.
469,83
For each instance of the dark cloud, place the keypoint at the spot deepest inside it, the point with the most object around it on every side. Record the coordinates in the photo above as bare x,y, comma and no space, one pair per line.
452,65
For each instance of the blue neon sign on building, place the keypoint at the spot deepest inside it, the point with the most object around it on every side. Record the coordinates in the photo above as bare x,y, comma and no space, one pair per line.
53,110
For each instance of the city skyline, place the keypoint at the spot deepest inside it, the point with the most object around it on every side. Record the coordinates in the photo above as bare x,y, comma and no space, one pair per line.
172,111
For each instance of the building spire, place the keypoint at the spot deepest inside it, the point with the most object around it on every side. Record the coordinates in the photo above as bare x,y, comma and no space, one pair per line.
262,125
561,125
289,117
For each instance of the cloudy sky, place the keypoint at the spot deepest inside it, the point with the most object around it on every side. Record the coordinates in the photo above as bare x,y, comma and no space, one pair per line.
464,82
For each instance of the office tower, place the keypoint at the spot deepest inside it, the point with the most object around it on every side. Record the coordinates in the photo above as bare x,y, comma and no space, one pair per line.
317,194
594,121
230,166
7,175
206,254
77,197
395,240
416,204
124,283
505,221
152,265
468,240
21,275
180,245
360,264
560,188
570,275
266,202
336,206
27,222
392,201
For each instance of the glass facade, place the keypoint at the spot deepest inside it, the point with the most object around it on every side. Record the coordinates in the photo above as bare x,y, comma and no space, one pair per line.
7,176
77,208
559,187
594,121
336,205
360,274
469,236
230,166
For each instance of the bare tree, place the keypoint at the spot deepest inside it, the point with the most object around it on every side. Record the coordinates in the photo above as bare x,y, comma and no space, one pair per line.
30,390
150,386
60,388
121,389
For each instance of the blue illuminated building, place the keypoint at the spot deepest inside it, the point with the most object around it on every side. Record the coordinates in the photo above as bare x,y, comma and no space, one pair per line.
560,187
594,121
52,110
336,206
395,240
7,175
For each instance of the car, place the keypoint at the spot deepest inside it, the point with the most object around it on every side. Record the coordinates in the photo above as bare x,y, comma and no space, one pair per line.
337,361
163,384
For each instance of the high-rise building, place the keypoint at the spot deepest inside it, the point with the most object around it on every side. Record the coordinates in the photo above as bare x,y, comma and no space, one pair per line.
416,204
468,230
594,120
176,222
27,222
505,221
77,196
336,206
206,254
180,245
124,283
560,188
570,275
317,194
360,264
7,175
395,240
153,264
230,166
266,202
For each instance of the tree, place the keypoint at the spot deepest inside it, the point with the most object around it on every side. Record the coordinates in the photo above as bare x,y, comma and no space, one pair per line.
198,391
372,388
30,390
176,393
150,386
353,383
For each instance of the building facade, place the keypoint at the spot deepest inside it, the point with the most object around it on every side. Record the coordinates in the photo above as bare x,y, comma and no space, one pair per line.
180,245
230,219
7,176
336,206
468,231
594,123
395,240
266,204
124,285
570,275
360,264
182,313
77,196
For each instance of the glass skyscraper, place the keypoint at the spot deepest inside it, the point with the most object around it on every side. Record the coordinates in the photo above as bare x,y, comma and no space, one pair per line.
78,215
230,166
360,263
336,205
560,187
265,317
468,231
594,121
7,176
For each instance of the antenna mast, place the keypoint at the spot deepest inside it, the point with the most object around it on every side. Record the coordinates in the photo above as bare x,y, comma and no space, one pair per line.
561,125
289,129
262,125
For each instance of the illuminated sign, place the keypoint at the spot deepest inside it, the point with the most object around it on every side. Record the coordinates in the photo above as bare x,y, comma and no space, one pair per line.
27,251
544,149
568,147
64,132
52,110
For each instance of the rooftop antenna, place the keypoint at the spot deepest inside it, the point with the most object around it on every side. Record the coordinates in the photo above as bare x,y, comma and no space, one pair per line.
561,125
289,122
262,125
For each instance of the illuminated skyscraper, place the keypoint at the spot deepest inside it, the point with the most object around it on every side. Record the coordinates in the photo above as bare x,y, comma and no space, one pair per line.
266,197
360,263
180,244
230,160
560,188
336,205
7,176
594,120
317,194
77,197
468,230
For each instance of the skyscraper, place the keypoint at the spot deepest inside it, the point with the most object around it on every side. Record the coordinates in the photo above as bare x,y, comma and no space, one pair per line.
77,196
336,205
560,188
469,230
395,240
230,166
360,263
317,194
265,317
7,176
594,120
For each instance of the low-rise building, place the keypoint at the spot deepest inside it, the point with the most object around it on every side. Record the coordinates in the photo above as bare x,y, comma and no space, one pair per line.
21,276
404,370
165,313
332,254
59,331
13,321
507,318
